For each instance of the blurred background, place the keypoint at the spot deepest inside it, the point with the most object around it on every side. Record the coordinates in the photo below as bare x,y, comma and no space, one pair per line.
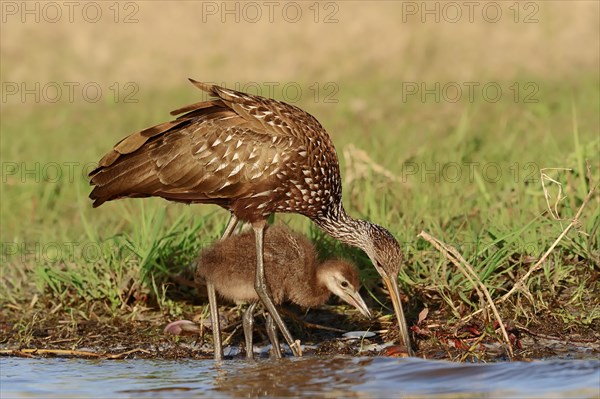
443,114
158,44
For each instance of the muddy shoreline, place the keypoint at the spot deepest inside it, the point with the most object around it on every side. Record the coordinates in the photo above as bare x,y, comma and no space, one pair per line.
140,335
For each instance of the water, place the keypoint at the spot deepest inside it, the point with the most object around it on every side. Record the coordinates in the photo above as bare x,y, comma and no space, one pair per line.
311,377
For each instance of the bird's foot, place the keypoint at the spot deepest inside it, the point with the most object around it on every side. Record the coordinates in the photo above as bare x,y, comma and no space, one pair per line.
298,351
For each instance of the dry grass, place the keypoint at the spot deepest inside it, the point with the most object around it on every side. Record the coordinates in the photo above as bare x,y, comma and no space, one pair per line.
467,270
172,42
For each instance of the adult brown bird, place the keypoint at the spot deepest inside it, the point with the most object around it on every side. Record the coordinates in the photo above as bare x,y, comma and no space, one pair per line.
253,156
292,273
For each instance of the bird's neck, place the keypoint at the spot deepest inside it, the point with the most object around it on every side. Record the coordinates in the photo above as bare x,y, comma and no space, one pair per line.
319,293
343,227
311,292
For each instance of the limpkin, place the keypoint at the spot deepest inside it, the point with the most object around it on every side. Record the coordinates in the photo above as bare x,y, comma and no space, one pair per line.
253,156
292,274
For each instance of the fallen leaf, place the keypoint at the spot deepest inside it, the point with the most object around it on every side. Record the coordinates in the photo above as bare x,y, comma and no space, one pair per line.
395,351
182,327
423,315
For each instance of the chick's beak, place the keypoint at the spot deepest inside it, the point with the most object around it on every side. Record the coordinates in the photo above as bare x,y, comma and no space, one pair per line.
392,287
355,299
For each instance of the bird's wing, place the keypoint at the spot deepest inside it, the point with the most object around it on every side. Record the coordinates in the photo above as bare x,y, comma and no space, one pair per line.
207,160
230,108
211,152
259,113
208,110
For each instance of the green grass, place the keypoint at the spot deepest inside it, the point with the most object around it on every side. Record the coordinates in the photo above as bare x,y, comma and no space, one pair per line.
55,246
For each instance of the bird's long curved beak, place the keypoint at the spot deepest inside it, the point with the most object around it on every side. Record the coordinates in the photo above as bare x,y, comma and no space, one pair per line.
356,300
392,286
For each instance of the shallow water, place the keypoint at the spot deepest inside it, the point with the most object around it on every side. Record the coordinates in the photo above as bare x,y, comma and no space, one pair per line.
330,377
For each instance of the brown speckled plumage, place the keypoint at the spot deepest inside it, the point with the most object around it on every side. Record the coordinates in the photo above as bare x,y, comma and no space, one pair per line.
253,156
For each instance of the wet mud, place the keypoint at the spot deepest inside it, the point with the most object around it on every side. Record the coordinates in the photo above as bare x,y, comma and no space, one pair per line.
326,332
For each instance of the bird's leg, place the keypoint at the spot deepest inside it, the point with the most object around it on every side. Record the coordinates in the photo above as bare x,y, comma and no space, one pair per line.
262,289
231,225
248,323
212,298
272,333
214,321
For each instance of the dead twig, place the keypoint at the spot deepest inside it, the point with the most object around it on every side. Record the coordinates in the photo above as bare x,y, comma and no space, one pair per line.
67,353
53,352
228,338
127,353
456,258
520,284
574,222
473,347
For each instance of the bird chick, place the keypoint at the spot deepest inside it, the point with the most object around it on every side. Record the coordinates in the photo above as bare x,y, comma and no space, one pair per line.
292,271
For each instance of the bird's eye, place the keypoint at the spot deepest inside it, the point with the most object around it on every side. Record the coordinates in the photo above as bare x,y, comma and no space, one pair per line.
344,284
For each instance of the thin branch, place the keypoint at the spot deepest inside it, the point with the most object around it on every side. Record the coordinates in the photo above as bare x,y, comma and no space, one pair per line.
67,353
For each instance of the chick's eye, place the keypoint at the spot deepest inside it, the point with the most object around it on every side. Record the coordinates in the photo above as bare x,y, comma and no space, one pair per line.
344,284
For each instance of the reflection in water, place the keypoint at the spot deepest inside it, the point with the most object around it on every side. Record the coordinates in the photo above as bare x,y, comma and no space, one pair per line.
373,377
292,377
306,377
